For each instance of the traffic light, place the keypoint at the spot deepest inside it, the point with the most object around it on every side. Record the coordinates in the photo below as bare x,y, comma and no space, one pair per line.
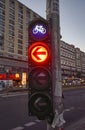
40,69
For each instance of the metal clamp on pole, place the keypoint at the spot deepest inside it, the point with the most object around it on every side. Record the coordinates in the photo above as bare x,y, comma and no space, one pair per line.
58,120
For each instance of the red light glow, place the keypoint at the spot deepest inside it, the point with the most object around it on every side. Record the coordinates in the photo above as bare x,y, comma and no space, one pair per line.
39,52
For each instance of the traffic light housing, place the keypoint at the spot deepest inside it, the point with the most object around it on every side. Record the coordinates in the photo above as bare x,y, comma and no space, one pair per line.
40,102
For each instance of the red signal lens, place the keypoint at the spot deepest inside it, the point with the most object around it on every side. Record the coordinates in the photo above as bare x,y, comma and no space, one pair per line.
39,52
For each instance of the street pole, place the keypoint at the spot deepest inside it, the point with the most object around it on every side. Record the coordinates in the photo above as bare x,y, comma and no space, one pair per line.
7,78
52,16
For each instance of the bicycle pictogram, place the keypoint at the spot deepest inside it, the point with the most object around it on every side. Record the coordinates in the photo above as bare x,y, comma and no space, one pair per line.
39,28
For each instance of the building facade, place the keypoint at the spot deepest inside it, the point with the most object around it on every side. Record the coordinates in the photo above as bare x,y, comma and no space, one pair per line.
72,61
14,21
68,64
83,64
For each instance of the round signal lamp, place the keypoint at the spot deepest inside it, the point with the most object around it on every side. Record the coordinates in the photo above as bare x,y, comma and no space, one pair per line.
39,52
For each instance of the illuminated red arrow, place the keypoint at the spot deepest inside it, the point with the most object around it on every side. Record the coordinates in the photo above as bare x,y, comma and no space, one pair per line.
37,52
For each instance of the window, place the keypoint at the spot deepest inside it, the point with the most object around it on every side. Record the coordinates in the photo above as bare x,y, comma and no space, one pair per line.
20,9
11,16
1,42
2,5
20,31
11,21
11,38
1,29
27,17
11,50
19,41
20,36
2,17
11,44
11,27
2,23
12,4
2,1
56,6
12,11
2,12
11,32
20,46
20,26
20,52
20,16
1,47
20,21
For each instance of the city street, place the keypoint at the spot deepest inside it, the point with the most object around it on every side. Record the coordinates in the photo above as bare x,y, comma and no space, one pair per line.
14,111
74,103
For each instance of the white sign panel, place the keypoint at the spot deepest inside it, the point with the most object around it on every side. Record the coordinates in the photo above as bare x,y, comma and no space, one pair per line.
55,6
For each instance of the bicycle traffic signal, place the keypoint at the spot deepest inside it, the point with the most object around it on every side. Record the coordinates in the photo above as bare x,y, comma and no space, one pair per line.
40,69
